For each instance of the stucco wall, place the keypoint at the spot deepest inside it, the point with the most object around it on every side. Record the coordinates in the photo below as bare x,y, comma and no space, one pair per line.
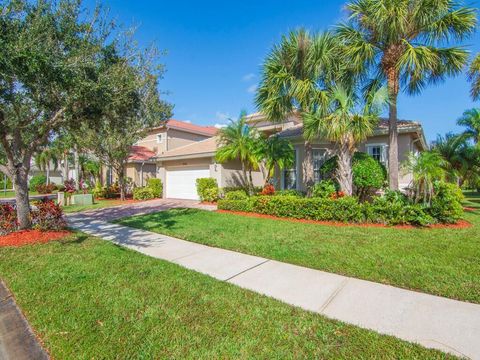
232,175
174,139
134,172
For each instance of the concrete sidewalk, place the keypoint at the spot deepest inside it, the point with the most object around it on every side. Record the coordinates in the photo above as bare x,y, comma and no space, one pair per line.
432,321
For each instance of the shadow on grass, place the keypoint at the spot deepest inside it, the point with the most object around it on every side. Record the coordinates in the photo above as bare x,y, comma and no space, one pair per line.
163,219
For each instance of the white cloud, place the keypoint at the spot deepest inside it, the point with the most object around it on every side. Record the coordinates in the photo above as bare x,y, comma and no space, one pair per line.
248,77
222,116
188,121
251,89
220,126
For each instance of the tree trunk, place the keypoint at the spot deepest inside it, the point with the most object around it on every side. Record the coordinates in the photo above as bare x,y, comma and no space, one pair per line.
245,179
48,174
19,177
65,167
250,179
344,169
77,168
121,182
393,87
307,166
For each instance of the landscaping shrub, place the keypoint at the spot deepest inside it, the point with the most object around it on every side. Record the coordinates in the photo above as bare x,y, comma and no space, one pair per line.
207,189
8,219
268,189
47,215
37,180
143,193
45,189
295,193
236,195
393,209
70,186
368,175
156,186
256,189
446,204
324,189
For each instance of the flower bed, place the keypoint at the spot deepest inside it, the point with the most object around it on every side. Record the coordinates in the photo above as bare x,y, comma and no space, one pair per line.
29,237
392,209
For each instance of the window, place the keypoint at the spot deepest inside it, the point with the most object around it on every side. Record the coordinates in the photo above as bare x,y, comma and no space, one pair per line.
378,152
160,138
318,160
290,175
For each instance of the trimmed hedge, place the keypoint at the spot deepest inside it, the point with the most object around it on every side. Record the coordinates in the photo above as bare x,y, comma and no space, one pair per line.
143,193
156,186
391,209
207,189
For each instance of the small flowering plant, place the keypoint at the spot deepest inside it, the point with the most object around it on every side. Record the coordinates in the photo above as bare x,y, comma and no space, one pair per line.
47,215
8,219
268,189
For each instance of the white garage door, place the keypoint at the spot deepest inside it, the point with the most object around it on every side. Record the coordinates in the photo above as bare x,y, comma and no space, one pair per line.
181,183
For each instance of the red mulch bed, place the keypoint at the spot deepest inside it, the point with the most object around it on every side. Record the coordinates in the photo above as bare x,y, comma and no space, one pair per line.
459,225
29,237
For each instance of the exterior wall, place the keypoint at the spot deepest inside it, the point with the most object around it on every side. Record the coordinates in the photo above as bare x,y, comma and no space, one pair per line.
173,139
134,172
232,175
406,144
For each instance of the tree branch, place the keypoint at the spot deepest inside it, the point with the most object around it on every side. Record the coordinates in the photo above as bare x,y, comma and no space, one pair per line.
4,170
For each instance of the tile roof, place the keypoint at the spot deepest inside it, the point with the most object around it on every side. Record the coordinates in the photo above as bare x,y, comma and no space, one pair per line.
197,148
297,130
141,153
183,125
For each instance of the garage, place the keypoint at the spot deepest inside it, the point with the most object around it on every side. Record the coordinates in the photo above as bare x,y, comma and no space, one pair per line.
181,183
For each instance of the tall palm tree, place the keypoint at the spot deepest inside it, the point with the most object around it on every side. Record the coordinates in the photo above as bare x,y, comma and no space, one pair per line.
402,41
48,156
471,120
450,147
292,81
347,120
275,152
474,77
238,141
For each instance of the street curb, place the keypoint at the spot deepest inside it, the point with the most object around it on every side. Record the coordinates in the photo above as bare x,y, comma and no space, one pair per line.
17,340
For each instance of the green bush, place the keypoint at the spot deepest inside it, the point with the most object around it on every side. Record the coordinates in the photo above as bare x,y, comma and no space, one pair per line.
324,189
207,189
368,174
256,189
446,204
236,195
8,183
143,193
156,186
394,209
37,180
295,193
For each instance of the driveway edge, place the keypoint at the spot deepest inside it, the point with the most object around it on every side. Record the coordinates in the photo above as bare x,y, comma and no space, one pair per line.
17,339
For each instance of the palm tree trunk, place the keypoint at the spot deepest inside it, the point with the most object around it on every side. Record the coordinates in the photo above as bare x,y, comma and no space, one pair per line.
344,169
393,87
65,167
308,175
48,174
77,168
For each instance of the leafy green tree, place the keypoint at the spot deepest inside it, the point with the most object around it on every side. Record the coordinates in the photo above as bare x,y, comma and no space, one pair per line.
347,120
403,43
133,106
45,158
91,168
275,152
427,168
293,77
49,66
238,141
471,120
474,77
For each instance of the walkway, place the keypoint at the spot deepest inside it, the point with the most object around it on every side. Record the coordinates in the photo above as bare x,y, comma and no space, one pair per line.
432,321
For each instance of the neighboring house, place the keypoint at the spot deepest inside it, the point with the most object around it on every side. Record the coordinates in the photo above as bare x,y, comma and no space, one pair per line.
410,139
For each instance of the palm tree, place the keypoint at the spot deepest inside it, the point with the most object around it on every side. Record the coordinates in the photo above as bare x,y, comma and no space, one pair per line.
474,76
275,152
450,147
238,141
471,120
292,81
347,121
45,158
402,41
426,167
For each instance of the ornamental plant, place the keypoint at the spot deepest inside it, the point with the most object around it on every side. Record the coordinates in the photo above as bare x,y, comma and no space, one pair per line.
8,219
268,189
47,215
207,189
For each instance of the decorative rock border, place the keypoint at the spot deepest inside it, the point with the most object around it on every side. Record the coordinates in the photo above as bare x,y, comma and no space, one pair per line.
17,340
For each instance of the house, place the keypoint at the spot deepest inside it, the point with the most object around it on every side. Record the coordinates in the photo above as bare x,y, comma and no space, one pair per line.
410,139
180,152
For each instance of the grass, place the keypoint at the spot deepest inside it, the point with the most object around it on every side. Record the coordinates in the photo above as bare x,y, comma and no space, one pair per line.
99,204
443,262
11,194
88,298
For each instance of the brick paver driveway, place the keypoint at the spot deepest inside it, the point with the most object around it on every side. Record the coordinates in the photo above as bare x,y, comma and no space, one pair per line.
140,208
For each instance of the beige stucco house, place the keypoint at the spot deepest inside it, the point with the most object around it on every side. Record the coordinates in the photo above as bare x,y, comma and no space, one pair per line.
180,152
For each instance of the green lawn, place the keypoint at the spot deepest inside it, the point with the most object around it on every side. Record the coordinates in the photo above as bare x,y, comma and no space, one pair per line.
11,194
99,204
88,298
444,262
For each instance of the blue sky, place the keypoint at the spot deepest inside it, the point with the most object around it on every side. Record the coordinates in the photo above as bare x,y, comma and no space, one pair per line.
215,49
